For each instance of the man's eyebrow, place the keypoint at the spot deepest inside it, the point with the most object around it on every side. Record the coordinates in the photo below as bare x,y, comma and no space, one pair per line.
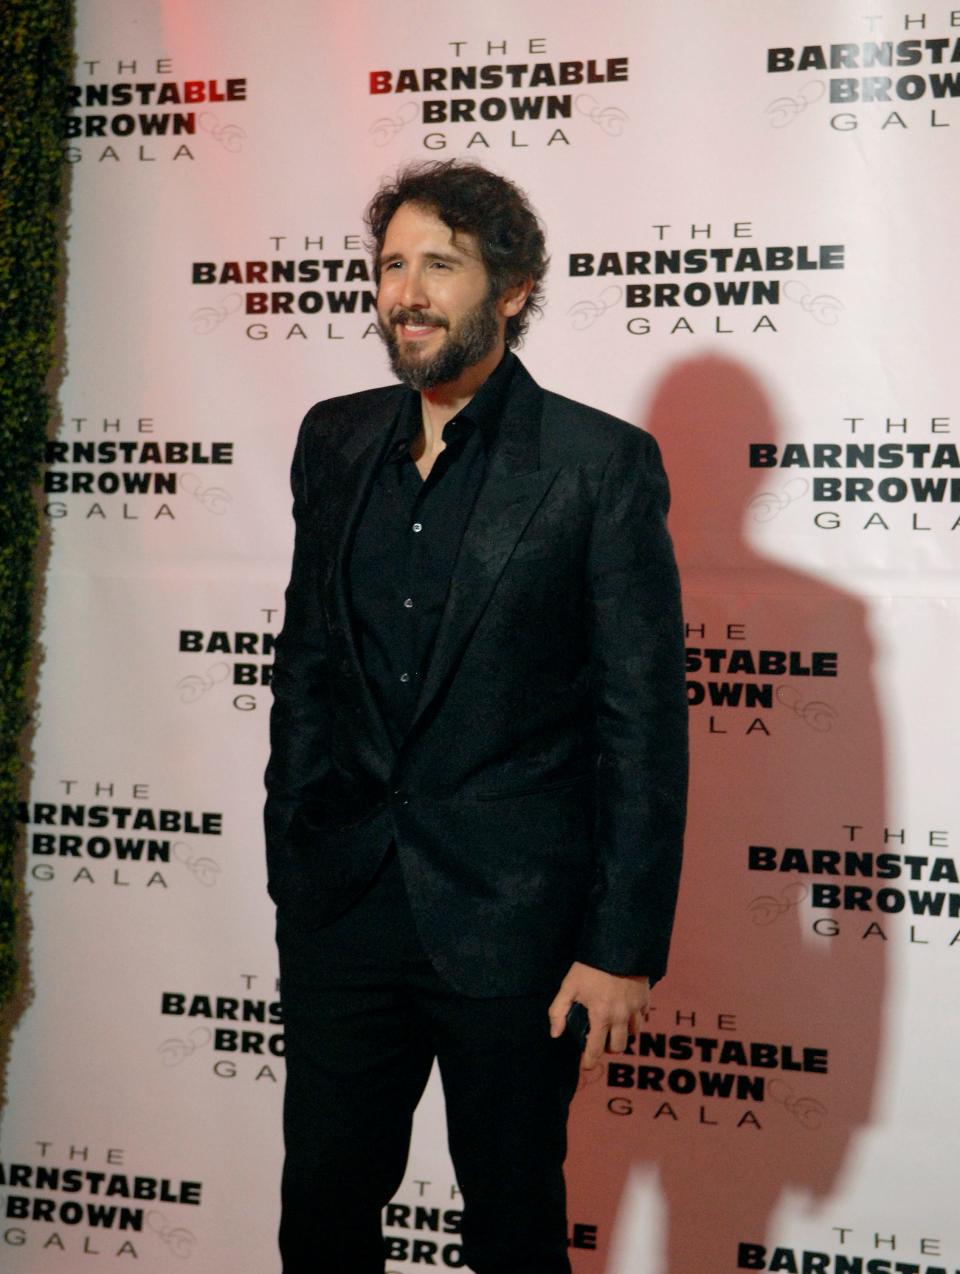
451,258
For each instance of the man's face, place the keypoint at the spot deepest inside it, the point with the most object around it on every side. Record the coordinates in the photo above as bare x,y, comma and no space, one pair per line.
437,315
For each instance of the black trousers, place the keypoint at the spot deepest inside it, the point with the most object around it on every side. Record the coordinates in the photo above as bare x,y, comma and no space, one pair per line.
365,1014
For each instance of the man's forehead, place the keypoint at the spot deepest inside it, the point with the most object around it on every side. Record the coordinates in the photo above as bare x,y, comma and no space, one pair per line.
425,222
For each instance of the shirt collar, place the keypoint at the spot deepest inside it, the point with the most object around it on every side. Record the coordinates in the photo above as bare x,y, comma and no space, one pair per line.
482,412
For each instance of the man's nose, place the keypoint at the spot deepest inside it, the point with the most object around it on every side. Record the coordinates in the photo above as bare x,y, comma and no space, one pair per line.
413,294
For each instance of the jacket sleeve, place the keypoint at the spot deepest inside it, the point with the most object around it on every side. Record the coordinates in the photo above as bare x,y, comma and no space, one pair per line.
640,716
299,719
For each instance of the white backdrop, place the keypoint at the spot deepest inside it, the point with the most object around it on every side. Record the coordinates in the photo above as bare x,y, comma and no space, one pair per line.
751,212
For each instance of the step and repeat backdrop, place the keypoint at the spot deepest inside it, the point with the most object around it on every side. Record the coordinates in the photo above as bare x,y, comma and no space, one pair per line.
751,210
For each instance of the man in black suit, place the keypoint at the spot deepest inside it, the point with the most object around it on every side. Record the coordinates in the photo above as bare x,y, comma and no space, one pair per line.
477,778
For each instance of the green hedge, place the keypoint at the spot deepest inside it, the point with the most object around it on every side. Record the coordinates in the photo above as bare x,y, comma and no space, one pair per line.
35,70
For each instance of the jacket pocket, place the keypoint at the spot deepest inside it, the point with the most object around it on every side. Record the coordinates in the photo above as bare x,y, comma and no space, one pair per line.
535,789
311,822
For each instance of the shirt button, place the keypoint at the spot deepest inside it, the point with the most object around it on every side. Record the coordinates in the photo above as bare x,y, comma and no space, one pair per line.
418,526
408,603
404,677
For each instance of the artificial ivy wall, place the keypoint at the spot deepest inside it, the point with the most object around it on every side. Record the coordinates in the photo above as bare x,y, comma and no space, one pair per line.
35,70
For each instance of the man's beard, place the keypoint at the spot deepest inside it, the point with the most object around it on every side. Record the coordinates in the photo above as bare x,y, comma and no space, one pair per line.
472,340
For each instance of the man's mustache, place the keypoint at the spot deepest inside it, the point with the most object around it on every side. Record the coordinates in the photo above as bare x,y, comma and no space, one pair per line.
417,318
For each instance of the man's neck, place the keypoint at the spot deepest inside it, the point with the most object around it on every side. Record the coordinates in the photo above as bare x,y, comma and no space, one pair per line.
439,405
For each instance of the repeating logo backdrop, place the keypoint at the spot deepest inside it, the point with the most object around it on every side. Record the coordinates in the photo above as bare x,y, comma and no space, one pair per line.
750,215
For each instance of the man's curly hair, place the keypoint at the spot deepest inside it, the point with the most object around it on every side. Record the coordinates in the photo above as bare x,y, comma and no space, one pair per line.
468,197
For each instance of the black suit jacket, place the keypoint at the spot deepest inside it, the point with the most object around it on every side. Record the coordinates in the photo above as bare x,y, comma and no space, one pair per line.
537,802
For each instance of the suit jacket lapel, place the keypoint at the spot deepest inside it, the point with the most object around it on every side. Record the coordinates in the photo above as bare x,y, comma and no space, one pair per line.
513,487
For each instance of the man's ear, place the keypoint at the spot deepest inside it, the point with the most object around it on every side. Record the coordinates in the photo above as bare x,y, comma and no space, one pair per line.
514,298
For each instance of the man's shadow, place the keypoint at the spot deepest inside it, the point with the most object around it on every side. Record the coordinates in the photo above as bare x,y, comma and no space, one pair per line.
746,960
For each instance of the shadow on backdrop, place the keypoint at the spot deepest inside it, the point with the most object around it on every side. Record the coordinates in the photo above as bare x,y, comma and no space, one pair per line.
744,945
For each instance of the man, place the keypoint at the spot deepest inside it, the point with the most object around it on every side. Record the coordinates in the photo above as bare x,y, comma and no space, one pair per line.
476,786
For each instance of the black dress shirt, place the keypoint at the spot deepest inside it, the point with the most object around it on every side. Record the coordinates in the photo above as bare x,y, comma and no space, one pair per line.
407,540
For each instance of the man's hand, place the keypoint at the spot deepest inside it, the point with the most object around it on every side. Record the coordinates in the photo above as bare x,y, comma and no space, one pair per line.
614,1005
